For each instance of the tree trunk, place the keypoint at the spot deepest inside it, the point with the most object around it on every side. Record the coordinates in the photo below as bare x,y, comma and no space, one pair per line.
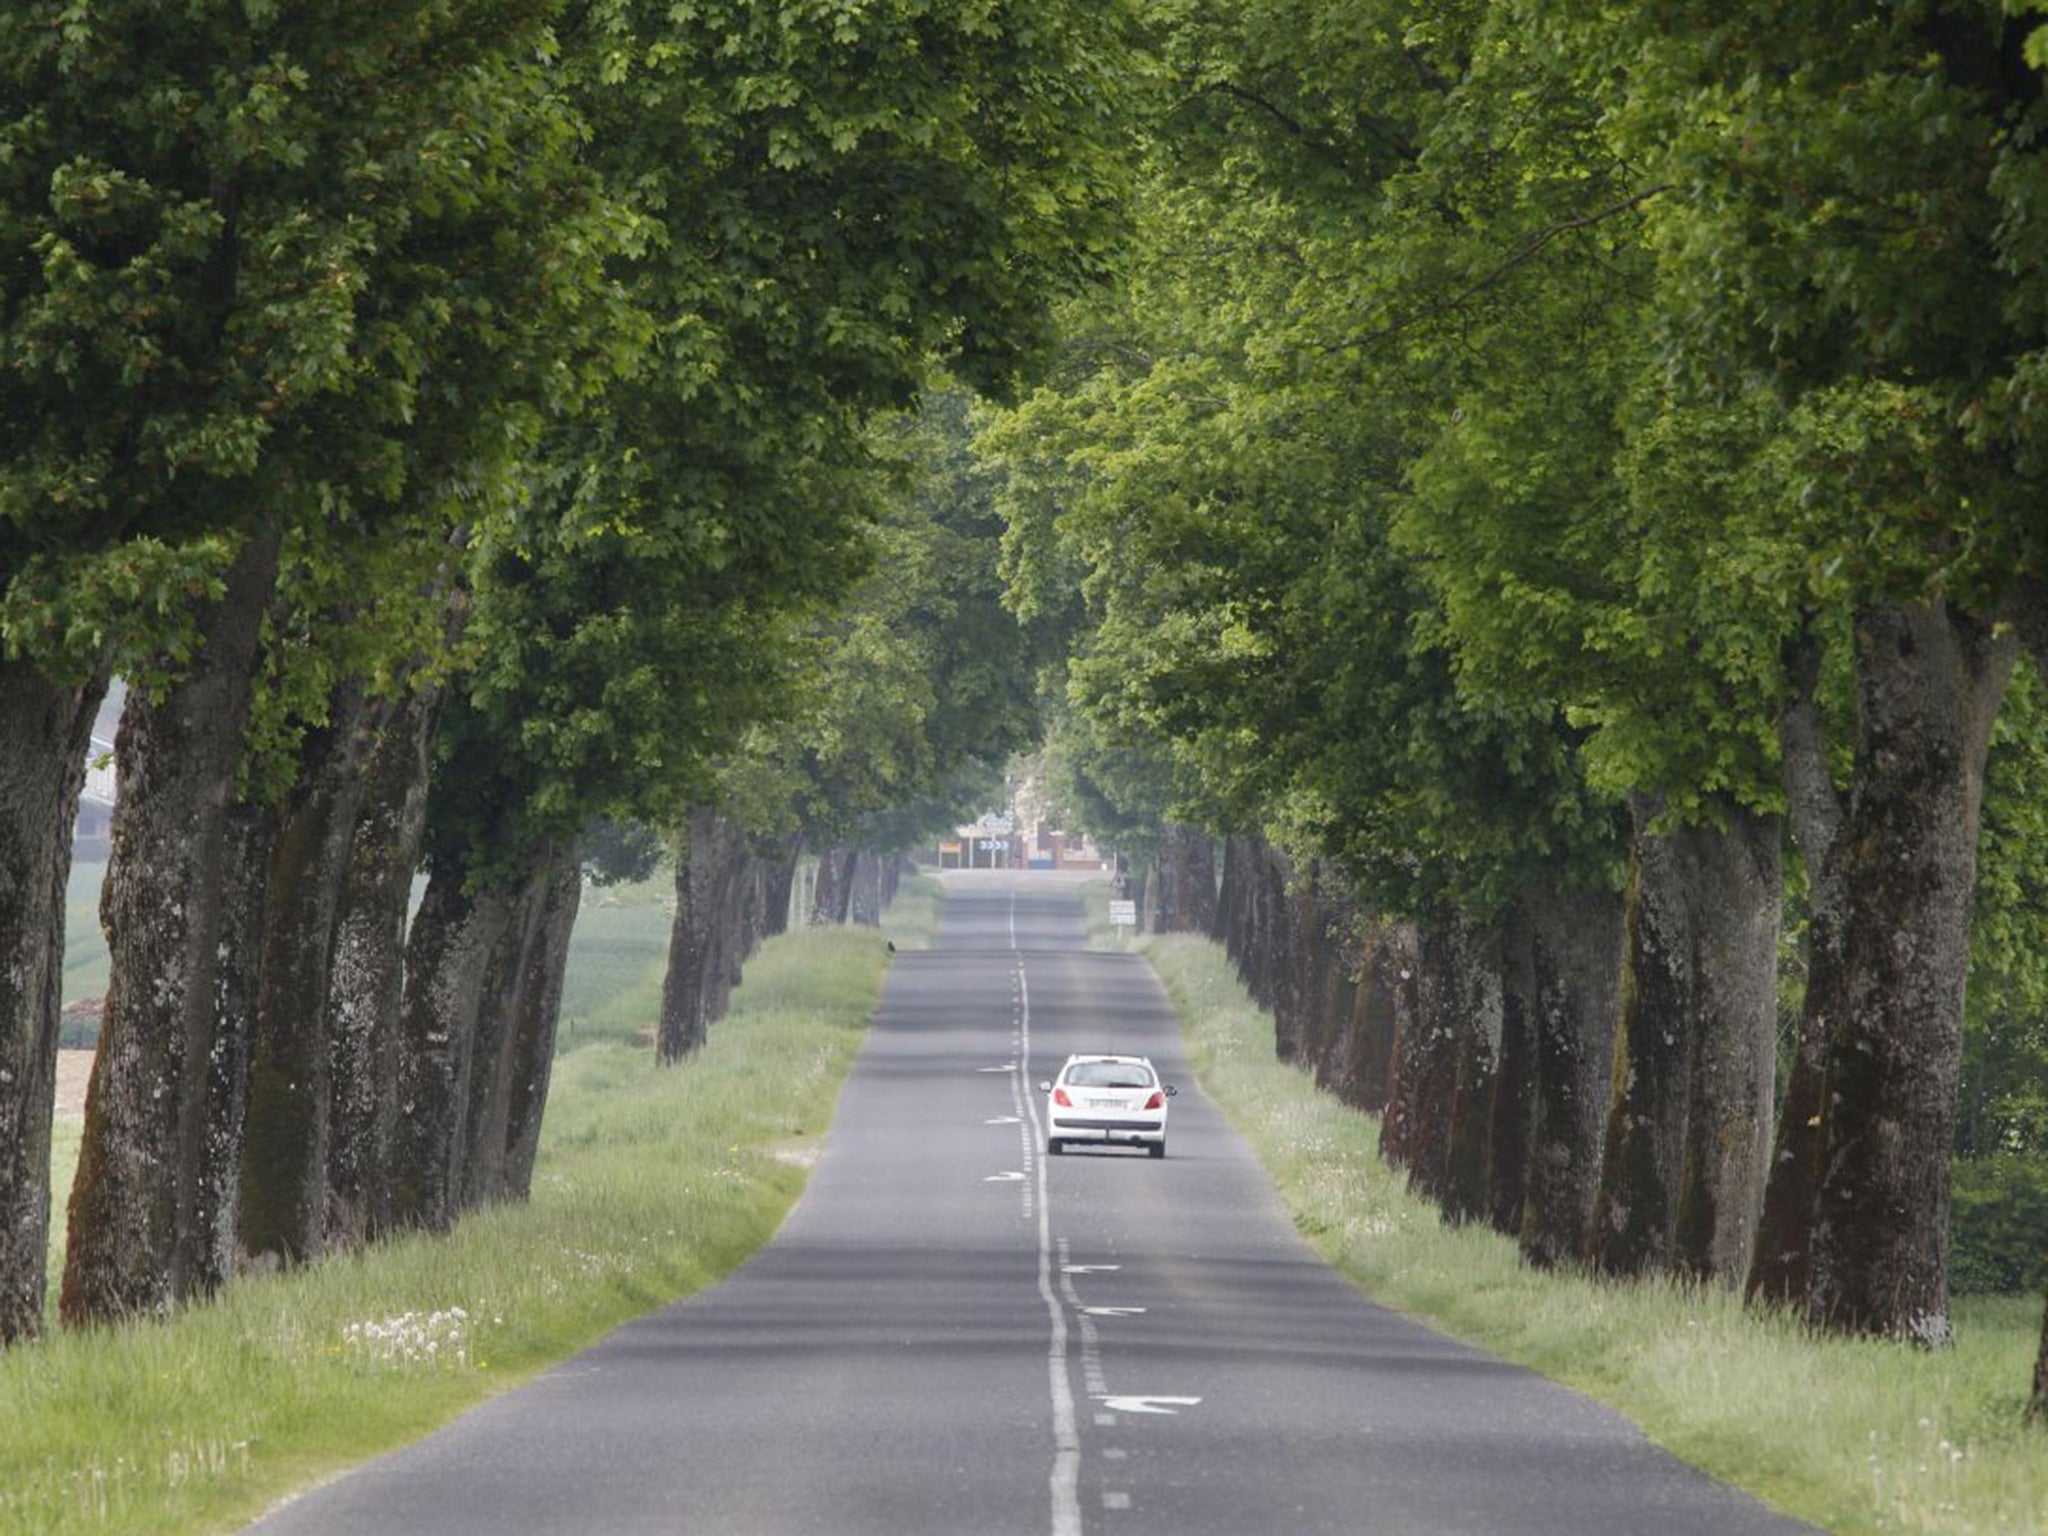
1644,1159
1180,896
1476,1017
1512,1128
1687,1136
864,907
1448,1063
709,863
366,973
1574,977
1386,955
512,1060
540,1015
782,874
456,934
145,1119
209,1245
2037,1401
1398,960
285,1142
1430,1053
1734,1071
47,731
1275,947
832,902
1929,681
1233,898
1782,1263
1327,924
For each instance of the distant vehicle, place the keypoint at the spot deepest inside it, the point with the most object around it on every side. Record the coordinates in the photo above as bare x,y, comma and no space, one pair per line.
1115,1100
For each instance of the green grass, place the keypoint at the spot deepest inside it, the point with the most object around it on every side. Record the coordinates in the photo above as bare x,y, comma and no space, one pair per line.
1853,1436
650,1185
912,921
617,956
85,947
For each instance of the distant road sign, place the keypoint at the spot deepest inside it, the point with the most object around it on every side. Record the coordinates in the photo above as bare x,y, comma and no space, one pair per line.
1123,914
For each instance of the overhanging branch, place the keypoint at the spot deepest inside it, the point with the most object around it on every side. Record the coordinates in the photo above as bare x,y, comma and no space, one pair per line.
1521,256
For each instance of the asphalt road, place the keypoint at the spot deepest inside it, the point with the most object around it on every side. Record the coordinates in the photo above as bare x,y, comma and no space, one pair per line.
954,1333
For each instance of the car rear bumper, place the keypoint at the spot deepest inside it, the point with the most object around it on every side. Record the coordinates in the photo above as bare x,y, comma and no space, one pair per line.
1097,1128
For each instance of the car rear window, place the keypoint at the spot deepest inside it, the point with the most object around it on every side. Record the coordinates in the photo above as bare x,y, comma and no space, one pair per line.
1108,1074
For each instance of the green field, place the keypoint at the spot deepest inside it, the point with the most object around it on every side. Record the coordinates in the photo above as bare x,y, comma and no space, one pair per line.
85,949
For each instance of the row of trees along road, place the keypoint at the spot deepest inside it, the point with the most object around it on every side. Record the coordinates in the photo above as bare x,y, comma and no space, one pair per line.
454,421
1559,491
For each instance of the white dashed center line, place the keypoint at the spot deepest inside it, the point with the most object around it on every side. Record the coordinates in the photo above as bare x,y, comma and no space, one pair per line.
1066,1434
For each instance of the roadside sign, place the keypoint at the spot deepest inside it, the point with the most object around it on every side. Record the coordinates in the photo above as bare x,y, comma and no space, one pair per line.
1123,914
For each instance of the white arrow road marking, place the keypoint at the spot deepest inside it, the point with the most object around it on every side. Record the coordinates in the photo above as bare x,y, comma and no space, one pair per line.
1148,1404
1004,1120
1113,1311
1008,1067
1004,1178
1088,1269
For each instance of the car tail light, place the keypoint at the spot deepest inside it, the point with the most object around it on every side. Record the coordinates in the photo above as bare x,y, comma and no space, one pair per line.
1059,1097
1157,1101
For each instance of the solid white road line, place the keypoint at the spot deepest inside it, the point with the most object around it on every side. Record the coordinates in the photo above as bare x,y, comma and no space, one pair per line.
1066,1434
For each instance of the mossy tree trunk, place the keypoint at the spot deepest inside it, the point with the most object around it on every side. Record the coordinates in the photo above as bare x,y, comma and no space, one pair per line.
1688,1129
146,1122
537,1025
1929,681
209,1244
1399,962
46,728
832,900
1473,995
713,863
366,973
1781,1261
1361,1079
1512,1121
285,1142
455,936
1573,976
513,1057
1428,1073
1326,920
1738,892
1180,891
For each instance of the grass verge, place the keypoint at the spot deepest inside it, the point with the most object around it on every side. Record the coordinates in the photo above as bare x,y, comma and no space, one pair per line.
651,1184
1853,1436
912,920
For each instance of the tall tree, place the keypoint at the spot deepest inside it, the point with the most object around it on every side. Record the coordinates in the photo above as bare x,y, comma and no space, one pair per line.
1852,186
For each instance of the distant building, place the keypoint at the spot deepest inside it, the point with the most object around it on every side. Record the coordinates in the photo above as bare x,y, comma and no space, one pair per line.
999,840
92,832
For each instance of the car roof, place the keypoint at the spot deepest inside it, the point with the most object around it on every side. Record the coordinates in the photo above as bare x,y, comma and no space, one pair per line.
1135,1061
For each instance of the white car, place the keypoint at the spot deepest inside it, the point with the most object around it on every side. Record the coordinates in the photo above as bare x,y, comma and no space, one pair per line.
1109,1099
